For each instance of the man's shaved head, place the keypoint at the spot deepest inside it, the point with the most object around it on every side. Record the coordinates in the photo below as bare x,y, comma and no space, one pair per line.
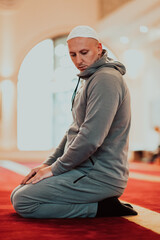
84,51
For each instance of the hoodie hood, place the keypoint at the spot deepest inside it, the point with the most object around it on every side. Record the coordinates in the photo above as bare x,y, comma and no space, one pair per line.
104,61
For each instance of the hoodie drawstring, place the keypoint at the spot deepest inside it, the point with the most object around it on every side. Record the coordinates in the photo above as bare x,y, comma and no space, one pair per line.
74,93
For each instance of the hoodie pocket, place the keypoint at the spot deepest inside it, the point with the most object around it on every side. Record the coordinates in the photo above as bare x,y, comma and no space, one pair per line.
75,181
91,160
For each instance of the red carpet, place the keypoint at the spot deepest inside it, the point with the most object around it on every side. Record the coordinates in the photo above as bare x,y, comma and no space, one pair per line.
13,227
144,194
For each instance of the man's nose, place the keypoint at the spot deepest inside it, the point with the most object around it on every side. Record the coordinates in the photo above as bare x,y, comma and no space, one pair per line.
78,59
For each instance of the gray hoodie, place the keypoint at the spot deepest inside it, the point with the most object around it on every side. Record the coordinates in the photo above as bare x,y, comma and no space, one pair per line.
96,143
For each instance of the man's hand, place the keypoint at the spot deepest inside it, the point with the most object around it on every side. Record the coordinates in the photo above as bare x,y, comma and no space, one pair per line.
41,174
33,173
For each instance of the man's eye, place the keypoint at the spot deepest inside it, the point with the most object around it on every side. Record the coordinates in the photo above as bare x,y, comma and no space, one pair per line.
72,54
84,52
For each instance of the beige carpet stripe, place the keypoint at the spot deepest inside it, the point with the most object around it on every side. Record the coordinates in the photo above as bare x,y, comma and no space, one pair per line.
145,177
15,167
146,218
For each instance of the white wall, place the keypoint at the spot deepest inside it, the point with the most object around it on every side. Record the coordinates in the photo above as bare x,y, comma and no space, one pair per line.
35,21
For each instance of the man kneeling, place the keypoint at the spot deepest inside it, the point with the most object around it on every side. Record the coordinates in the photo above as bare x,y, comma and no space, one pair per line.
88,171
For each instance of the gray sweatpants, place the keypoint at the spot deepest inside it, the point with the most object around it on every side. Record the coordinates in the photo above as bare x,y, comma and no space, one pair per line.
69,195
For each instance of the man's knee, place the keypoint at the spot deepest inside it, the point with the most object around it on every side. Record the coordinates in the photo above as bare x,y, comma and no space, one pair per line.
18,201
21,203
13,192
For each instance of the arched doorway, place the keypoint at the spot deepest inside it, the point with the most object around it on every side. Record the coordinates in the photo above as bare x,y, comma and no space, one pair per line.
34,100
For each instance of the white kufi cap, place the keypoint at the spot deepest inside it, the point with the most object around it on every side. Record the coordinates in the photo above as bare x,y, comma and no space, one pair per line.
83,31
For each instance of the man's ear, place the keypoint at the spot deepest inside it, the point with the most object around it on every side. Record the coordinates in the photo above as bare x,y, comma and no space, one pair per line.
99,49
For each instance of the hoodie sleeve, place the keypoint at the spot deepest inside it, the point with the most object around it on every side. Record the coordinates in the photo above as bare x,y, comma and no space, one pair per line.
58,152
101,107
